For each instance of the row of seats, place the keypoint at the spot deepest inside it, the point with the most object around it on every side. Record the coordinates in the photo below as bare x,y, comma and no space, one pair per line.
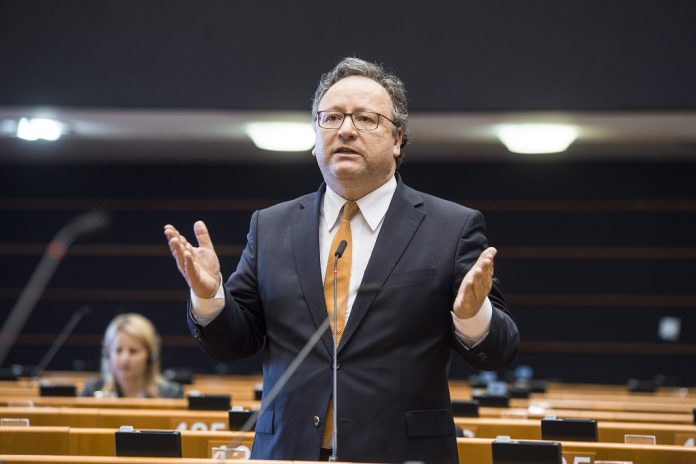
87,426
100,442
180,419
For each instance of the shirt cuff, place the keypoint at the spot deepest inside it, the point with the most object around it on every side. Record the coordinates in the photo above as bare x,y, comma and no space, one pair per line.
473,330
204,310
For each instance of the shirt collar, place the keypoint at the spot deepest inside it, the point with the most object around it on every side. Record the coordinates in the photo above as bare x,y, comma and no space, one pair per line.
373,206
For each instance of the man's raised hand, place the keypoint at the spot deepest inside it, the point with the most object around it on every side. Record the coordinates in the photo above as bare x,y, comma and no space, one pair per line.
199,265
475,286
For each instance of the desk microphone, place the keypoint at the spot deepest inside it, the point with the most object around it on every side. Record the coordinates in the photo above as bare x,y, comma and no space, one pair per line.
295,364
80,226
60,339
334,438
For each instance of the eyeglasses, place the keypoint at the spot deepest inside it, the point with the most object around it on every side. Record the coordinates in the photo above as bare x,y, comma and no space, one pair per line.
363,120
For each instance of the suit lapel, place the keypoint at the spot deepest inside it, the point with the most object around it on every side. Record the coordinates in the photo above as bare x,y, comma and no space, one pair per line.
305,240
400,224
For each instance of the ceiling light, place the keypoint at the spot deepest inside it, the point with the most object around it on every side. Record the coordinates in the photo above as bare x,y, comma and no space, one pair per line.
281,136
39,129
536,138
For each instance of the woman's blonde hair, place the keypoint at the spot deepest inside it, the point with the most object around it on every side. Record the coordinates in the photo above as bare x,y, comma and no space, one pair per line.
140,328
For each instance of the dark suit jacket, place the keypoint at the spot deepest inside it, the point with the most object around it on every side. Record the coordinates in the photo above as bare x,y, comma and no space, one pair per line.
394,402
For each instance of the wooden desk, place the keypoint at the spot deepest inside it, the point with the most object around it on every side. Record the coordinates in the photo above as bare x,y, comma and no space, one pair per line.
166,419
34,459
100,442
554,388
77,441
478,451
184,419
614,416
113,403
627,405
608,432
46,459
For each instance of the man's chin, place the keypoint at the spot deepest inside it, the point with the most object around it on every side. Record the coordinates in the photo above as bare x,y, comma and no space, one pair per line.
347,166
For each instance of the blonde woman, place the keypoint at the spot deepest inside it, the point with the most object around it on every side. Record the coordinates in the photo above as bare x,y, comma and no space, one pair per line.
130,365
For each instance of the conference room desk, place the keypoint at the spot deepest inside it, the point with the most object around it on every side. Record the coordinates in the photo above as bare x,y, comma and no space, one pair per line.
14,390
557,388
165,419
628,405
626,396
608,432
31,459
184,419
478,451
113,403
87,441
653,405
46,459
613,416
242,392
624,403
241,387
458,387
100,442
80,377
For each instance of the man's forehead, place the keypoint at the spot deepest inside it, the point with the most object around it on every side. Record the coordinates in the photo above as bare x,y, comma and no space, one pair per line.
357,90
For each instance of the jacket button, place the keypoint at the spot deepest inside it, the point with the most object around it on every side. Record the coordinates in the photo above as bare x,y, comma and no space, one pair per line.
317,421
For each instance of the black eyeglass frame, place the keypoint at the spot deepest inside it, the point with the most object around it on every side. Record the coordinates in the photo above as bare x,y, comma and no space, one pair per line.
379,115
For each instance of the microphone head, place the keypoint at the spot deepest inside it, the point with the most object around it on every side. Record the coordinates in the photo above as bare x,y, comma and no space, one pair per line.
84,310
87,223
341,248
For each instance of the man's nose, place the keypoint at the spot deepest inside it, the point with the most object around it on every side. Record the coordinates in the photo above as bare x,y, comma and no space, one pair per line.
347,128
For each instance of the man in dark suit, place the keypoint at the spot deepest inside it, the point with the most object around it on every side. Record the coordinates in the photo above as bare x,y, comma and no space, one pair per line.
419,283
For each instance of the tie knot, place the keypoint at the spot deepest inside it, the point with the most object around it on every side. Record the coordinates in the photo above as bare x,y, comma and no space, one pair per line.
349,210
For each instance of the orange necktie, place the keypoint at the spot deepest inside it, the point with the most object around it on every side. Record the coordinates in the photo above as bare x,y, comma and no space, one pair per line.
342,285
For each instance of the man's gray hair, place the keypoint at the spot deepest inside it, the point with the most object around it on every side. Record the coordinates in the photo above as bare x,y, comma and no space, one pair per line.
395,88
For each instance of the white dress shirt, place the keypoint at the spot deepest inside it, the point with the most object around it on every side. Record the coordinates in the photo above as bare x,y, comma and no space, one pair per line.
365,227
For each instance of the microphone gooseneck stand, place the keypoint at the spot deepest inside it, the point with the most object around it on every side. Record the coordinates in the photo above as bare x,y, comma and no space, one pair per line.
60,339
334,436
294,365
79,226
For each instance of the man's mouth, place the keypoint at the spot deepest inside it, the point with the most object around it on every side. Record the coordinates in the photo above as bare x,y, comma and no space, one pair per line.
345,151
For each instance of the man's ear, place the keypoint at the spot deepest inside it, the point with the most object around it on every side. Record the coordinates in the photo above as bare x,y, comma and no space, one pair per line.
314,148
398,138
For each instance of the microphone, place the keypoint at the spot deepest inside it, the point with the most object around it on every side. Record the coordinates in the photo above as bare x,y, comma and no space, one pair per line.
80,226
60,339
340,249
294,365
84,225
